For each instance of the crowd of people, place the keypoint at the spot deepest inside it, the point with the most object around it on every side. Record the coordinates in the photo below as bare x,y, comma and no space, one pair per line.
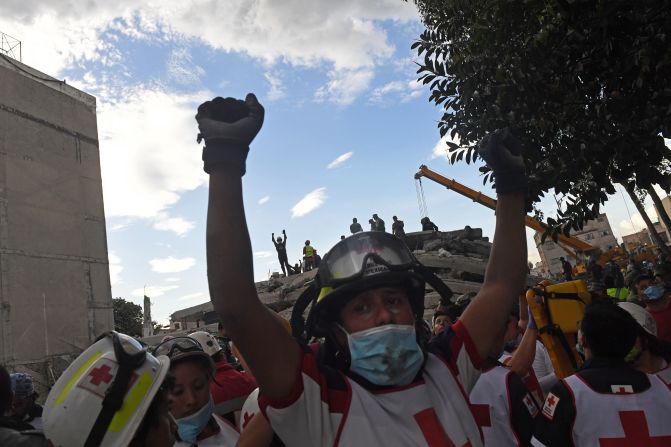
364,368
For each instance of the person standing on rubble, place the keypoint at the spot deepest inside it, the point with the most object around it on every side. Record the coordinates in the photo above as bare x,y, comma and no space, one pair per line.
355,227
308,256
397,227
427,225
368,299
379,223
281,247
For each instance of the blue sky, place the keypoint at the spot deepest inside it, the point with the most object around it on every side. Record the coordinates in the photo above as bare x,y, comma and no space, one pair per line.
346,125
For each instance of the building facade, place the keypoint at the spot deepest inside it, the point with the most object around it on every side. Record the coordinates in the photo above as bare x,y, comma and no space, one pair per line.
596,232
55,296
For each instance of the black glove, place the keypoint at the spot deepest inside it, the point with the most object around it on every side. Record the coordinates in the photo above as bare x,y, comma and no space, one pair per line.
502,153
228,126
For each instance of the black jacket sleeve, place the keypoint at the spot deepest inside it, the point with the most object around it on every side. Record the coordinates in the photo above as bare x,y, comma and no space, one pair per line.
523,409
553,426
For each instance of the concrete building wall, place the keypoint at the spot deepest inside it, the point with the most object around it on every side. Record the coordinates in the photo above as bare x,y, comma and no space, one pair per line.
55,296
597,233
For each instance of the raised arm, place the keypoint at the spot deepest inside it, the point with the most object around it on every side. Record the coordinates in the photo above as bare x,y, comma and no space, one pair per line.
486,316
272,354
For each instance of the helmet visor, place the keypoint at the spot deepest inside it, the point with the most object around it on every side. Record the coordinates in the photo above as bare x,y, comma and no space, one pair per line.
176,346
351,257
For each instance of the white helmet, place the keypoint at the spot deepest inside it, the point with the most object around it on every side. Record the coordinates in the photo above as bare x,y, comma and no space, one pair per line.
249,409
642,317
103,396
207,341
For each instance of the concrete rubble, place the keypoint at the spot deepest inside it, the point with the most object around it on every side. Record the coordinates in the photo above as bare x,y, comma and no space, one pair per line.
458,257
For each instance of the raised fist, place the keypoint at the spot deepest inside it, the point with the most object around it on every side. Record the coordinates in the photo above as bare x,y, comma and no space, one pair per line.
502,152
228,126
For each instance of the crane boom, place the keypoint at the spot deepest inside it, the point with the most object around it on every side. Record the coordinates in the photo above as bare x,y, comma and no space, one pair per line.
568,241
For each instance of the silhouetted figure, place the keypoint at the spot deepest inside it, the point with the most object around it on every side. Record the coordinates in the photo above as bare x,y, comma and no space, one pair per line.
427,225
397,227
281,247
342,237
373,227
355,227
379,223
567,269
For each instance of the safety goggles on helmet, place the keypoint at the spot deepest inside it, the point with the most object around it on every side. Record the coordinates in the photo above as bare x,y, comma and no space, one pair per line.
176,346
364,254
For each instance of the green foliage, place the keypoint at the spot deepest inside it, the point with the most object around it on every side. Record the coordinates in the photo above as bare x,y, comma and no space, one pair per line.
127,317
586,85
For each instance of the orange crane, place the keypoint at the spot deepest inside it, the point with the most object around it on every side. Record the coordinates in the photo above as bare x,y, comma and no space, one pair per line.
568,243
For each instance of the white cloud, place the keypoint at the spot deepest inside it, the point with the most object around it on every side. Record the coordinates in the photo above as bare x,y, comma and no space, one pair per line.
345,86
262,254
177,225
276,87
309,203
346,33
440,149
264,199
172,279
403,90
637,223
115,268
148,152
171,264
153,291
340,160
192,296
182,69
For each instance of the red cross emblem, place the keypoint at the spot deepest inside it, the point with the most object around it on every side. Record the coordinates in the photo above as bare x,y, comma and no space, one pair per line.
101,374
635,432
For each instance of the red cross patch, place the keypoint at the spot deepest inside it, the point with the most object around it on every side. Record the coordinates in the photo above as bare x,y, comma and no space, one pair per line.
636,432
550,406
100,377
621,389
530,404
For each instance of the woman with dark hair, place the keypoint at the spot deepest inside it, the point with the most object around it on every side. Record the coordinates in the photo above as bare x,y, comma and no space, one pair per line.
190,399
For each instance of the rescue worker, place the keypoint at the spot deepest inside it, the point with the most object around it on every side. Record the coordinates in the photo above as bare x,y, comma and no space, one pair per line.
368,299
441,321
379,223
114,394
230,387
639,284
650,354
281,247
397,227
657,299
308,256
355,226
502,404
373,225
24,405
607,402
191,401
14,432
427,225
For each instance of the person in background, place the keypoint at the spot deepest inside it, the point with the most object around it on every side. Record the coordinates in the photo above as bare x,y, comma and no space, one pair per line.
566,269
114,376
657,299
230,387
308,256
281,247
379,223
355,226
342,237
397,227
14,432
427,225
650,354
639,284
441,321
191,401
24,406
607,402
